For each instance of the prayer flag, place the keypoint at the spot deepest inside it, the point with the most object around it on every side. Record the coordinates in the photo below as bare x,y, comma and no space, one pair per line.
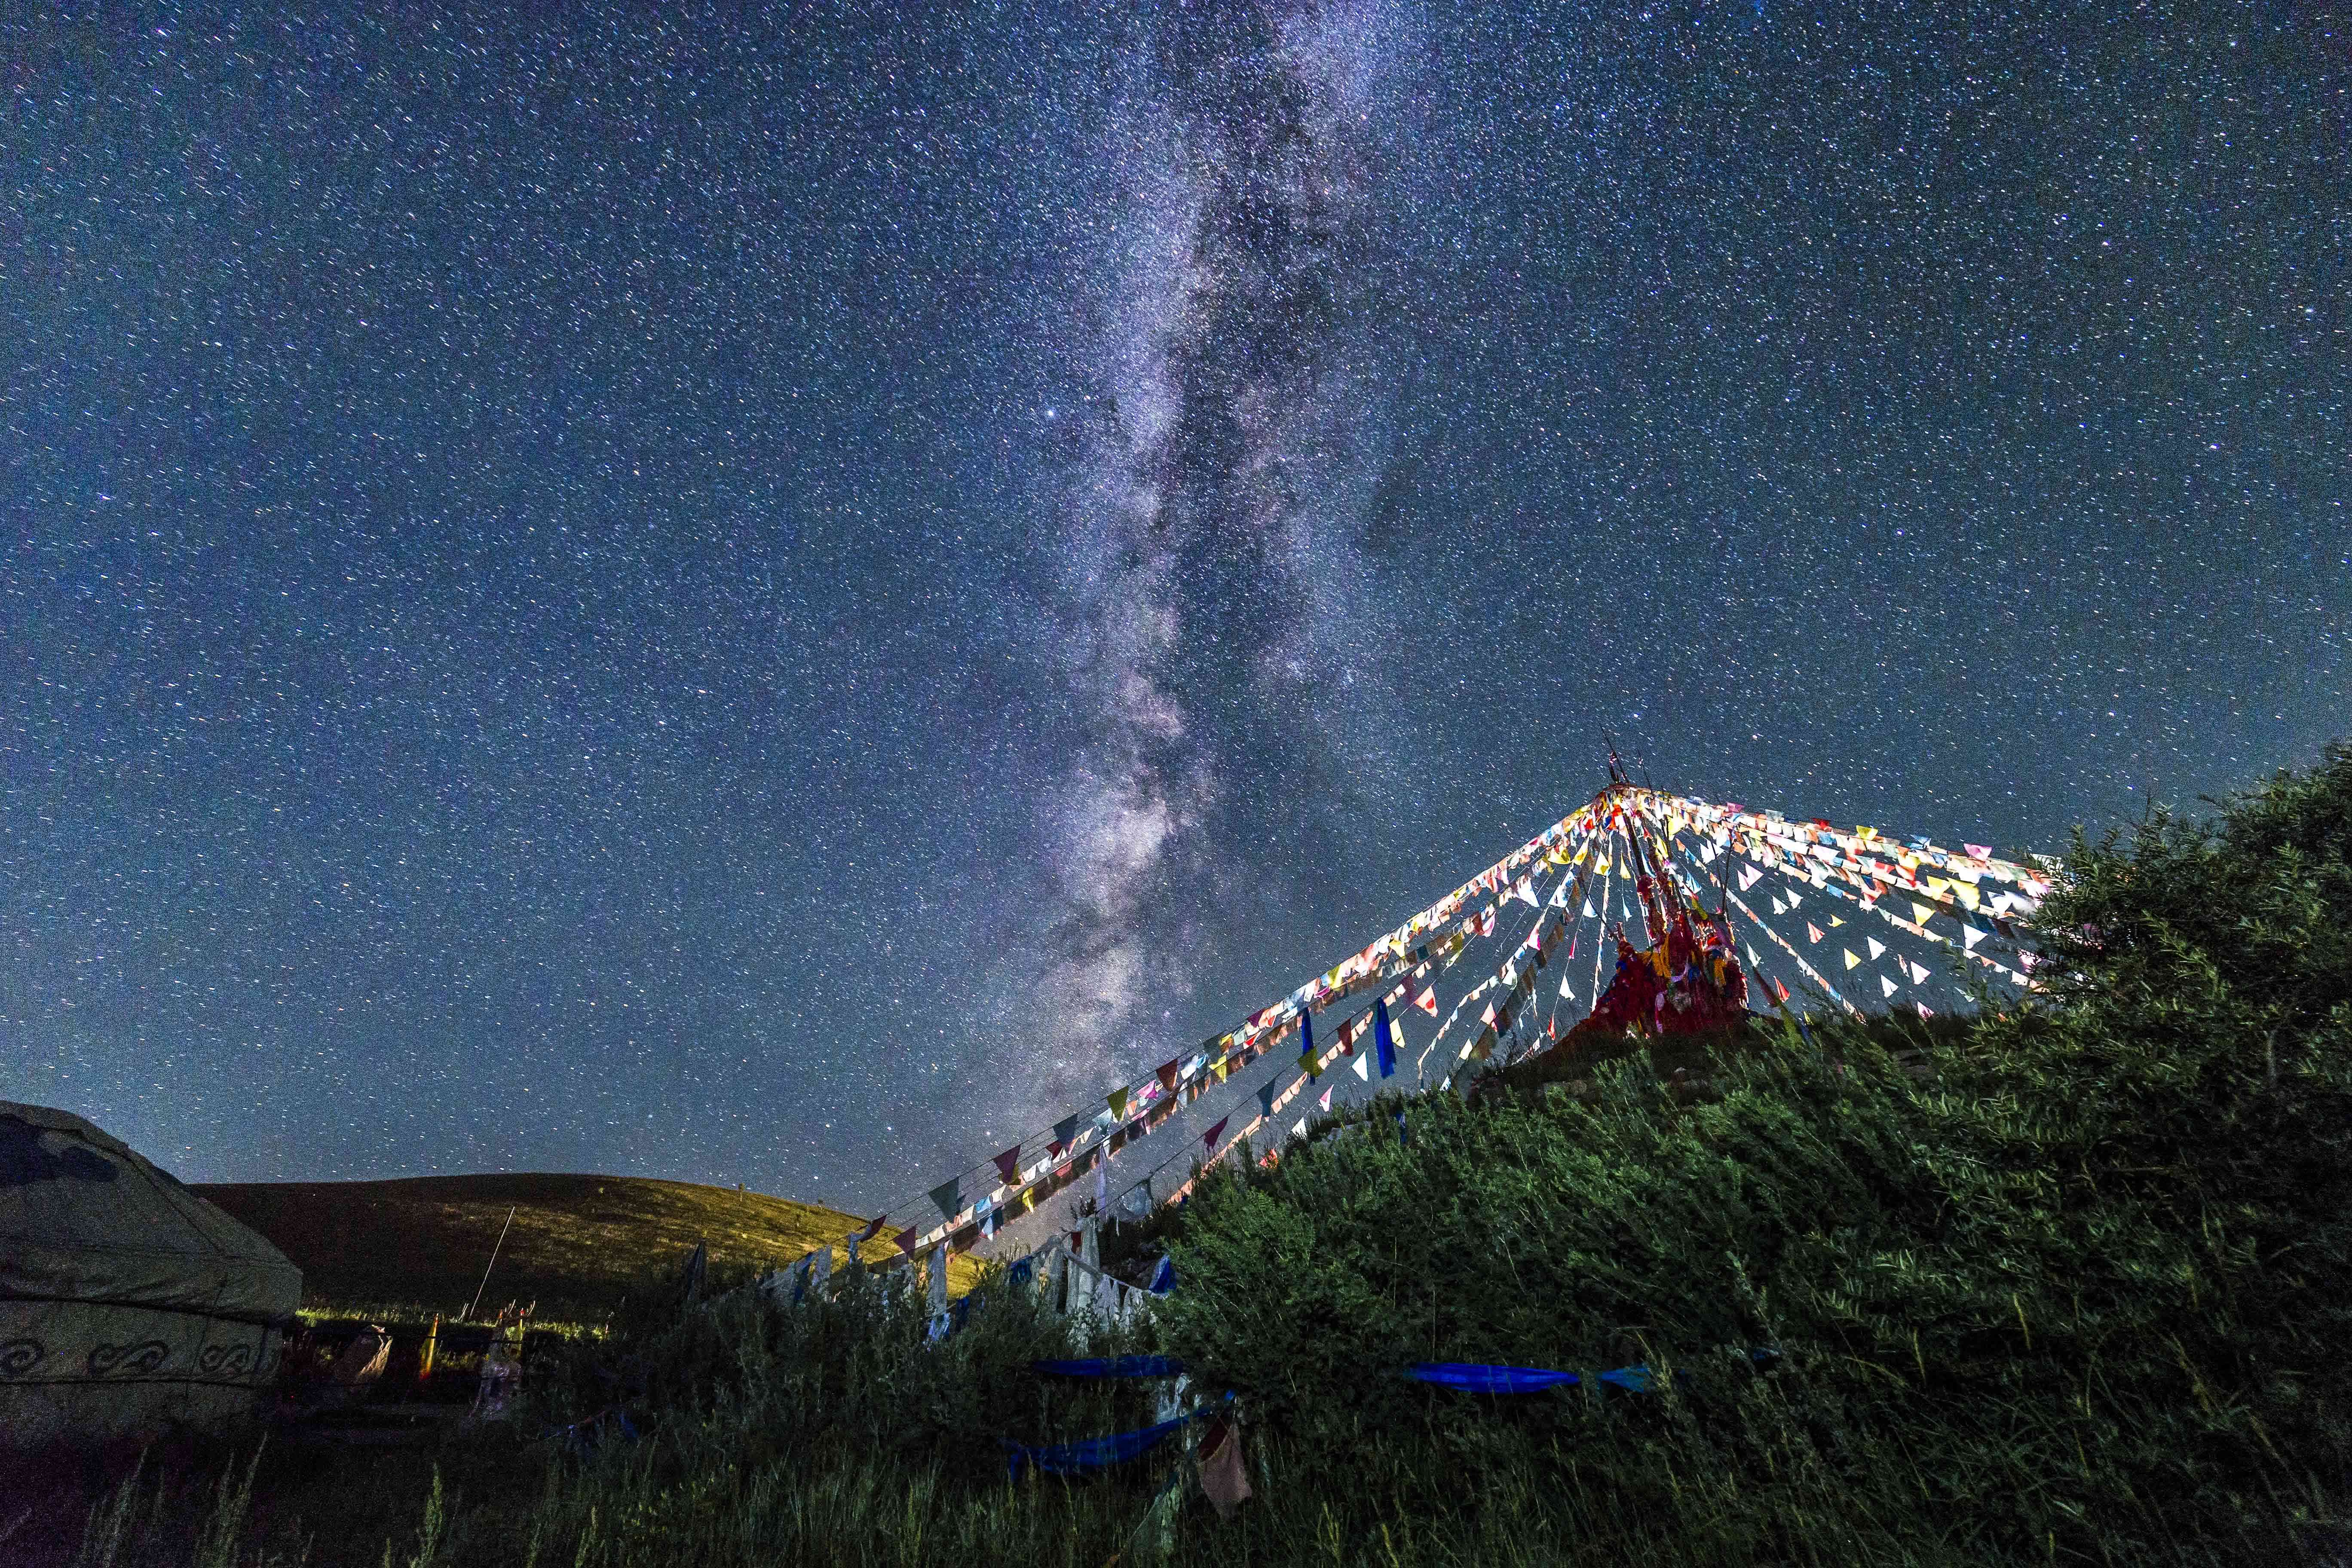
1384,1038
1008,1165
872,1230
1299,1128
1877,948
1265,1099
1919,974
1363,1068
1886,984
1793,900
1427,1001
1812,930
1981,851
1564,989
1067,1130
1213,1134
1590,912
906,1240
1117,1099
1970,936
1851,959
1306,1045
1167,1075
1779,908
1324,1102
947,1194
1781,989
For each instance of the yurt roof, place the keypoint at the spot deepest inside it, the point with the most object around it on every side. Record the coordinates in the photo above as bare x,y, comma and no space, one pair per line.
84,1217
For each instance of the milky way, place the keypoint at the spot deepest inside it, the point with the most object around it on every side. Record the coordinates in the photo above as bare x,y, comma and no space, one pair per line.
1206,476
782,594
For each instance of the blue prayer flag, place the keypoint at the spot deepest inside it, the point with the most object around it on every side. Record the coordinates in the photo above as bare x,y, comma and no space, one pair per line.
1383,1038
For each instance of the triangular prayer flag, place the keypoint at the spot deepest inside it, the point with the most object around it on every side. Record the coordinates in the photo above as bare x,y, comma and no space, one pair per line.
1812,930
946,1194
1166,1073
1067,1130
1779,908
1008,1165
1981,851
1836,921
1213,1134
1925,1011
1116,1099
1850,959
1793,900
1781,989
1590,912
906,1240
1266,1098
1752,960
1299,1128
1877,948
1364,1069
1427,1001
1323,1102
1886,984
1969,937
1919,974
1564,989
1920,911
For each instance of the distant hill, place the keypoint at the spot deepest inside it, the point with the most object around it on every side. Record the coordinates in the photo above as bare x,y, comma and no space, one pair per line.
578,1244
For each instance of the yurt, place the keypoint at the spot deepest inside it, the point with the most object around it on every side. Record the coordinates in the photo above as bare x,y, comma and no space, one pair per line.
128,1304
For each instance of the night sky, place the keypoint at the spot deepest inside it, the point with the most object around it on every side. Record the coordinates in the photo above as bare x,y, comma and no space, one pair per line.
780,597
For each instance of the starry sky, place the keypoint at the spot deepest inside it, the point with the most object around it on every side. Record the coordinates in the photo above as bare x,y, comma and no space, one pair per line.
783,594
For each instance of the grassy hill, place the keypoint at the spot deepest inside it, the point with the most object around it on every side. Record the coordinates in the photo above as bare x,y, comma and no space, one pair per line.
578,1245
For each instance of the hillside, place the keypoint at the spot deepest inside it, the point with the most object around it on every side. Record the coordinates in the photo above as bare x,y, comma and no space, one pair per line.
578,1245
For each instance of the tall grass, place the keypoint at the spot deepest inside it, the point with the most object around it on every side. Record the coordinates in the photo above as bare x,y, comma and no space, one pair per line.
2081,1296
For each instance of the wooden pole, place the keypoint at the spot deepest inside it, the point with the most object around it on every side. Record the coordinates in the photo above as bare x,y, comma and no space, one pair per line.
492,1264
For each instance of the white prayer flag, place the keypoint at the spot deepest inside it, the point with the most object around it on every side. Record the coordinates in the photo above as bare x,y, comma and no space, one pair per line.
1877,948
1919,974
1887,983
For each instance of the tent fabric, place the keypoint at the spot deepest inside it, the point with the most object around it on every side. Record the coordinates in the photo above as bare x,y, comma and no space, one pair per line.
127,1302
86,1219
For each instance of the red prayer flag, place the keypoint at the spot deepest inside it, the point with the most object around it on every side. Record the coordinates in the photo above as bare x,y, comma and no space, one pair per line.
1167,1071
1213,1133
906,1239
1008,1164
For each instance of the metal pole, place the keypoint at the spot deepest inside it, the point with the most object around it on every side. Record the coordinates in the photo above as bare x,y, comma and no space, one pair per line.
492,1264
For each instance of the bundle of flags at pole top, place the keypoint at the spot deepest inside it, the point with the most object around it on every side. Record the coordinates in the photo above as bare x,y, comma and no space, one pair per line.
1861,865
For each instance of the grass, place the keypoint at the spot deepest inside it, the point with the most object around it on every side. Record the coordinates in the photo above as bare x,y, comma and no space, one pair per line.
2078,1294
578,1243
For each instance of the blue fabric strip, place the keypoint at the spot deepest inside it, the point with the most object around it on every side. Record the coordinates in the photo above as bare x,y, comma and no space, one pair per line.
1112,1366
1100,1452
1481,1379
